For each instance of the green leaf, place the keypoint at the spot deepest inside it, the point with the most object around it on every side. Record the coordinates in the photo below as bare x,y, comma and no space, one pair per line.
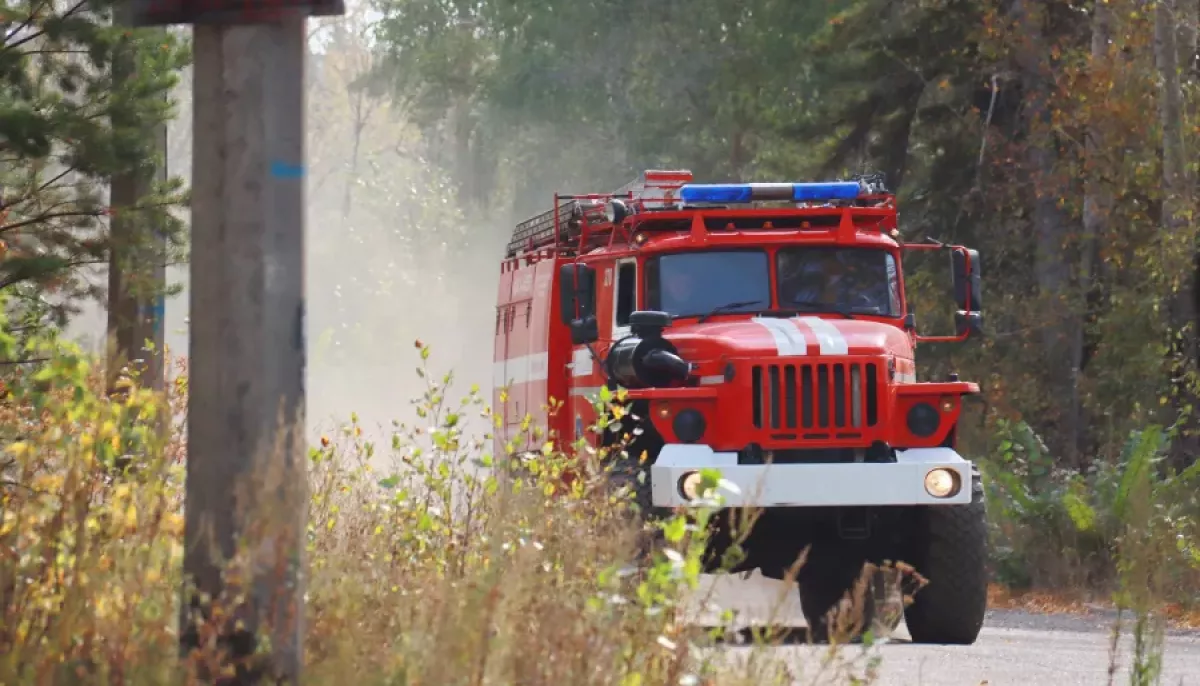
675,529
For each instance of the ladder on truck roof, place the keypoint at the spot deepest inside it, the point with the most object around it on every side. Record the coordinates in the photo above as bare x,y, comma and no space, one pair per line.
562,224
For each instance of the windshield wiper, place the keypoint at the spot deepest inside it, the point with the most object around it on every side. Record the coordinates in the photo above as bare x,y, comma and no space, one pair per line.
727,306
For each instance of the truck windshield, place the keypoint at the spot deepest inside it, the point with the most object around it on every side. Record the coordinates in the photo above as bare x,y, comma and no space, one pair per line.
849,280
695,283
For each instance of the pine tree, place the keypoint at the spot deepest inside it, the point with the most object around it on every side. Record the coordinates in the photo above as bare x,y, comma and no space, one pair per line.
59,144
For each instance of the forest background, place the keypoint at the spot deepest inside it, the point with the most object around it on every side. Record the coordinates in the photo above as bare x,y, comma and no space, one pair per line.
1057,137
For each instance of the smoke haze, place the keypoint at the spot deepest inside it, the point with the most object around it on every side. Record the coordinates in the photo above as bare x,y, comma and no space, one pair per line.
391,257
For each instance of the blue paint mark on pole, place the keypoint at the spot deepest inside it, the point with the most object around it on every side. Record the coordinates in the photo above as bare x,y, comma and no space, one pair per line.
284,170
155,312
160,314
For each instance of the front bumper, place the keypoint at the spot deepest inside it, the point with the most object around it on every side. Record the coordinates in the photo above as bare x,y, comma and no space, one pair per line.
810,485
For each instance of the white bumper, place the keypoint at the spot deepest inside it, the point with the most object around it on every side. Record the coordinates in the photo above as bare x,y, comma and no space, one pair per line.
810,485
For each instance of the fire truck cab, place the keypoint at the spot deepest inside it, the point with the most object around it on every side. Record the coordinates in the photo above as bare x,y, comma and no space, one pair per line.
761,329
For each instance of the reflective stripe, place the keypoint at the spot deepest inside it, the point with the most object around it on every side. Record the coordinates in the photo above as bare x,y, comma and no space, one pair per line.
522,369
789,341
831,340
712,380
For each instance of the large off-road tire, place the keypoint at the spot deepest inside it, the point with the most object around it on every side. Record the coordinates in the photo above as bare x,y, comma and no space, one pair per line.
950,551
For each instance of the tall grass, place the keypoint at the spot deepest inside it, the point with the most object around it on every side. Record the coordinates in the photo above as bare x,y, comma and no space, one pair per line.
431,561
1125,528
446,566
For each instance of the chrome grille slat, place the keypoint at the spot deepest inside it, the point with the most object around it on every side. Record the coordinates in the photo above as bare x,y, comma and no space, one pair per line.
815,395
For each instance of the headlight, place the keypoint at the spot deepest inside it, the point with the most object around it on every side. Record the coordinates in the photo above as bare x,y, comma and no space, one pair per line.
689,485
923,420
942,483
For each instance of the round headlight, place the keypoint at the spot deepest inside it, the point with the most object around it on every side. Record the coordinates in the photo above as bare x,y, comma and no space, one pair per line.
689,426
923,420
689,485
942,483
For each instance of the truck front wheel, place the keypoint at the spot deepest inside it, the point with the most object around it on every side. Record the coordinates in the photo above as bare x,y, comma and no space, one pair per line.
950,551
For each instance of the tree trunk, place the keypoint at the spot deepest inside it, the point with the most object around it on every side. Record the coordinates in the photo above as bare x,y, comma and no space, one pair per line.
462,124
896,136
1177,230
1062,340
1097,199
360,122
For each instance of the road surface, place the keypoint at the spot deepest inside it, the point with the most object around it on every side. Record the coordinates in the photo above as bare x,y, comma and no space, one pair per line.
1014,648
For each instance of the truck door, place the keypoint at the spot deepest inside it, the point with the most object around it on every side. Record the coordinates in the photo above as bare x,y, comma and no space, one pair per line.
616,299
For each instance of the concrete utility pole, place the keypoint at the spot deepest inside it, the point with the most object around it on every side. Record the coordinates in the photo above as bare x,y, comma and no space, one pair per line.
137,271
247,473
246,477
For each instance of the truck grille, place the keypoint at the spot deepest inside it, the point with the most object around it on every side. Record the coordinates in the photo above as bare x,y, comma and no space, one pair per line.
835,395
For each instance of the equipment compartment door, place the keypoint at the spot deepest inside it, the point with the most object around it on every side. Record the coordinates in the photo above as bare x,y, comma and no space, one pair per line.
500,359
527,362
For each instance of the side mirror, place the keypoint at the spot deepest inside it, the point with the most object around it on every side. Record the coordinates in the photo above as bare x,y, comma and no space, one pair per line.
577,302
576,292
965,267
967,281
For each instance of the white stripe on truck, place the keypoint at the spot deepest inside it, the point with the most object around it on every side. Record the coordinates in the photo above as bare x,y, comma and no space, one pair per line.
521,369
832,341
789,341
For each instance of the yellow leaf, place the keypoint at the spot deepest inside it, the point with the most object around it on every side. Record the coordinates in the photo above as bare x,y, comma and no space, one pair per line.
173,524
48,482
8,523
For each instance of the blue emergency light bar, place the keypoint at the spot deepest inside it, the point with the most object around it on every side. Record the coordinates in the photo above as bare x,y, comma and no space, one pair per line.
723,193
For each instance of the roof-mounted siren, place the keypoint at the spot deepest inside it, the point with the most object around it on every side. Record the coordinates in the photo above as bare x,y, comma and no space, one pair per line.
657,189
742,193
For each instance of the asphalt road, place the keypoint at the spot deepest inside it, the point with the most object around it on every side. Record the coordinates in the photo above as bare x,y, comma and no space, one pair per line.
1014,648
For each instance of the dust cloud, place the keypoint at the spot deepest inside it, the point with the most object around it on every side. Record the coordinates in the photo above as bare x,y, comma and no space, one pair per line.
391,257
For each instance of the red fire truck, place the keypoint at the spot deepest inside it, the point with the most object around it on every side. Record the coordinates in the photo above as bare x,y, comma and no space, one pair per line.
761,329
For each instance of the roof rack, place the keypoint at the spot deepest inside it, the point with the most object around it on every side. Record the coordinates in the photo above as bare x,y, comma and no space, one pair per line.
581,222
563,224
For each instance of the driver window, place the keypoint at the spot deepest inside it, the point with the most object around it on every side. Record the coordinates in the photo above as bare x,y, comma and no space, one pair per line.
893,285
859,280
626,292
